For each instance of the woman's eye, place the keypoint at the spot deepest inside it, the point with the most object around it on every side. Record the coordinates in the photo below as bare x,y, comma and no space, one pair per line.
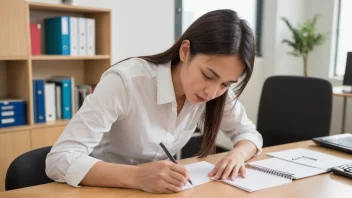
207,77
225,85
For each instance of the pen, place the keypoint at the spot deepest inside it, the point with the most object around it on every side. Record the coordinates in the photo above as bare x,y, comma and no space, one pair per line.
171,158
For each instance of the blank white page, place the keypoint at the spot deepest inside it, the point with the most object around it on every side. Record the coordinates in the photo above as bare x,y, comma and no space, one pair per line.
198,173
256,180
298,155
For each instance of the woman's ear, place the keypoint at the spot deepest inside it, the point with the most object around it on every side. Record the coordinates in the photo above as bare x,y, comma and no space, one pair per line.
184,50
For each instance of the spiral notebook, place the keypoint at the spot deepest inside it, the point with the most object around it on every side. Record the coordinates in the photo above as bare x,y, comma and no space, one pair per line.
272,172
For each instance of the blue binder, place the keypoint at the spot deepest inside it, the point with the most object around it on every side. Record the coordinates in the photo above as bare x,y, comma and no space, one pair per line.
12,113
35,109
57,37
40,101
65,83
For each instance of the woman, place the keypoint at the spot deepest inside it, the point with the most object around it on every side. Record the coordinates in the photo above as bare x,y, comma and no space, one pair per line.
143,101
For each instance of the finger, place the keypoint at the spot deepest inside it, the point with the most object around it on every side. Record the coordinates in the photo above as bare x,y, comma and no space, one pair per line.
212,173
172,188
167,191
243,171
235,171
179,180
220,170
228,170
179,168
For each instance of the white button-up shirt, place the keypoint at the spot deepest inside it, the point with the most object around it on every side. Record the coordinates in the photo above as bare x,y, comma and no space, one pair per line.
133,109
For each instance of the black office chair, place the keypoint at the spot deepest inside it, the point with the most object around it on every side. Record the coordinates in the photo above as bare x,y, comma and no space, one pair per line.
28,170
294,109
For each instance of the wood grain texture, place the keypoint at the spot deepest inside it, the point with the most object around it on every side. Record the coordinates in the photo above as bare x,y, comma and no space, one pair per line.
45,136
323,186
14,31
12,145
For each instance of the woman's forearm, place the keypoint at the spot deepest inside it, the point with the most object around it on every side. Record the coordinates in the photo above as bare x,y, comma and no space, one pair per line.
111,175
246,148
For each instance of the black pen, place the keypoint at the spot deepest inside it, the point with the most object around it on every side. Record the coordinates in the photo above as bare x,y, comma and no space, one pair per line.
171,158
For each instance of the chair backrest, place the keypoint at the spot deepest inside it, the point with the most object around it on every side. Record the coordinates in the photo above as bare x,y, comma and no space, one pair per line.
28,170
294,109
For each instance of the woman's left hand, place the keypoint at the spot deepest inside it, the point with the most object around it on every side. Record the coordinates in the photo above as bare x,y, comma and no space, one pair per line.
229,167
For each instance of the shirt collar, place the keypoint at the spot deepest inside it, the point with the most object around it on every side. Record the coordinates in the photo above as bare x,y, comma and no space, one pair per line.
165,86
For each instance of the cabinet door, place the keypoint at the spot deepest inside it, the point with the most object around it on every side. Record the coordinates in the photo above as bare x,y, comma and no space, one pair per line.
12,145
45,136
14,29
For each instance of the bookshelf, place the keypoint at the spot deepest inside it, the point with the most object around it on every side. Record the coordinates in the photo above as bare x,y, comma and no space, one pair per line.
18,68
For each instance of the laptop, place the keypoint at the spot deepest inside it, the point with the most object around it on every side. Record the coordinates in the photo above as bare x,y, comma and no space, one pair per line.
341,142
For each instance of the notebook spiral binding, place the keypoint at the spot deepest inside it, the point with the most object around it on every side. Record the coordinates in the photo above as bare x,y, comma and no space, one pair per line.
273,172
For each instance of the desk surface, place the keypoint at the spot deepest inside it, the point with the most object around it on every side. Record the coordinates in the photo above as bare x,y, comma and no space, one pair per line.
325,185
337,91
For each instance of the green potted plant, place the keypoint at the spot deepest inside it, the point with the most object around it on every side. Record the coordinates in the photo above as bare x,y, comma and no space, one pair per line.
304,39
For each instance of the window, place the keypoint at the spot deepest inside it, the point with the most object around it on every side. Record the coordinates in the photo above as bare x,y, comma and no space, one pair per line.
187,11
343,36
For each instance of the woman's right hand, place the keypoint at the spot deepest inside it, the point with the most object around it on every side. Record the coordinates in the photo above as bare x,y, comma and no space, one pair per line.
162,177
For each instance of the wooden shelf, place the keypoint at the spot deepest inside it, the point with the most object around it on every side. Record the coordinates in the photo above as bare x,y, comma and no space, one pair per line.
61,57
15,128
5,58
64,8
55,123
58,122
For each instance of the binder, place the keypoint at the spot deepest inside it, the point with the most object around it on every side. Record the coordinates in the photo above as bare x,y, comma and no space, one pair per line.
73,94
35,109
82,37
65,84
35,38
12,112
58,101
74,36
90,37
50,109
40,101
57,37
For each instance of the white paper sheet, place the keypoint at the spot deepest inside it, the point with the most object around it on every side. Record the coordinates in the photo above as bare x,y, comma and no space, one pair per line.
198,173
310,158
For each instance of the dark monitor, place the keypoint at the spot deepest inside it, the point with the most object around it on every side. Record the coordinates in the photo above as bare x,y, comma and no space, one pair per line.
347,79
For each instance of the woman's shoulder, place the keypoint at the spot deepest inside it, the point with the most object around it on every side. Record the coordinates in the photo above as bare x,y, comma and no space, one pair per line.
134,67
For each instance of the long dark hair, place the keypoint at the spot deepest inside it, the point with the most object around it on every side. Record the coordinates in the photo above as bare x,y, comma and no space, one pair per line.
216,32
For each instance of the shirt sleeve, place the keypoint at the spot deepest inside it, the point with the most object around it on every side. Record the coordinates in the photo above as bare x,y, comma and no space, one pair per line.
69,160
236,125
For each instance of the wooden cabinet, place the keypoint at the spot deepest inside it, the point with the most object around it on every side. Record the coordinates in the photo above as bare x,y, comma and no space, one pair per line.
14,29
18,67
12,145
45,136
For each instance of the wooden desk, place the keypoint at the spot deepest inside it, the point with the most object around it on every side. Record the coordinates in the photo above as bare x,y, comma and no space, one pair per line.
338,91
325,185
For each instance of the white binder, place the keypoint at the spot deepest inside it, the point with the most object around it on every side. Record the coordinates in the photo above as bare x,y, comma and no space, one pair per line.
49,98
82,40
90,37
74,36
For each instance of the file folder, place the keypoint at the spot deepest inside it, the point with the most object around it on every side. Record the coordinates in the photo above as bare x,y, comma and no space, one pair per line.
57,37
74,36
82,37
90,37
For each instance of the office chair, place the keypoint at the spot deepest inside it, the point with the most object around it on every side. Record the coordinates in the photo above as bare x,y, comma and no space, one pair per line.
294,109
28,170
